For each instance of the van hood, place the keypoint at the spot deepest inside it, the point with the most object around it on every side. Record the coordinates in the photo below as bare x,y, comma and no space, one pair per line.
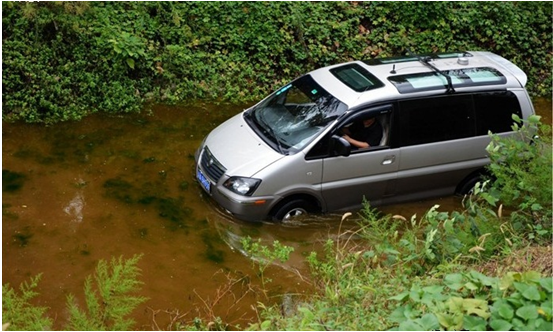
237,148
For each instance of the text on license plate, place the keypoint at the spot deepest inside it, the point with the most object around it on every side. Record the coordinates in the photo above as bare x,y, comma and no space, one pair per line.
204,181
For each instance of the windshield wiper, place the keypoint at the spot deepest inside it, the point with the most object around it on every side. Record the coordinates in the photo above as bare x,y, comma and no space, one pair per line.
250,116
272,132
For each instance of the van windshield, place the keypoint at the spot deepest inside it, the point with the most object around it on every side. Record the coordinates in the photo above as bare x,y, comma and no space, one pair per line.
294,115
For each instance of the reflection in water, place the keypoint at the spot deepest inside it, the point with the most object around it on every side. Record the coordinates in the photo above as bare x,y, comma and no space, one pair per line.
126,186
75,207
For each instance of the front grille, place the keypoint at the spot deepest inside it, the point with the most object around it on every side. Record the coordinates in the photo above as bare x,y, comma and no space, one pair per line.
213,169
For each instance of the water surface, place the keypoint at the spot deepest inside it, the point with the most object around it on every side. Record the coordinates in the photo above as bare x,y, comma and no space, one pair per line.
77,193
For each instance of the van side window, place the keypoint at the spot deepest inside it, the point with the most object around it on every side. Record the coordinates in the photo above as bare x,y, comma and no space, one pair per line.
382,119
494,111
436,119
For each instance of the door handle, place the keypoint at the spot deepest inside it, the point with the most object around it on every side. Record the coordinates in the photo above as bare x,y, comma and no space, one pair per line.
388,160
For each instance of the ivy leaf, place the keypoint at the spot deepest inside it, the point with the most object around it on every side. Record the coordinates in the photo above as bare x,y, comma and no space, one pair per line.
117,49
130,62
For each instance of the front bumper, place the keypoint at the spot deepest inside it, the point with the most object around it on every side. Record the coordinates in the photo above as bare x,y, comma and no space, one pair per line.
242,207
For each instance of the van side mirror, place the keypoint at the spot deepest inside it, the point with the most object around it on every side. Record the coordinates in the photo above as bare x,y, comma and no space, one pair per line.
339,146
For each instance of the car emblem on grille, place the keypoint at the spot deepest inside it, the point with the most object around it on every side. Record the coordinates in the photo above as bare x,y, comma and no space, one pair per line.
210,162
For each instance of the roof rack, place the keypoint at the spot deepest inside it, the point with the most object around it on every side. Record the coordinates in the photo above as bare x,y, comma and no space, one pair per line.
426,61
400,59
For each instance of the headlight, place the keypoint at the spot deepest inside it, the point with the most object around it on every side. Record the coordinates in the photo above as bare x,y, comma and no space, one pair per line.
242,186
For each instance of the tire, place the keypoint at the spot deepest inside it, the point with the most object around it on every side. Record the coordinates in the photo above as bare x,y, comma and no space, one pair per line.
467,187
292,209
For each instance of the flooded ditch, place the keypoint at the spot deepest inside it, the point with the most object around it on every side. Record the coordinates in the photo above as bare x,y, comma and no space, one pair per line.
105,187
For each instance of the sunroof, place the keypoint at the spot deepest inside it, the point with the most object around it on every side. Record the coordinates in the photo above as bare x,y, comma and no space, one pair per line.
459,78
356,77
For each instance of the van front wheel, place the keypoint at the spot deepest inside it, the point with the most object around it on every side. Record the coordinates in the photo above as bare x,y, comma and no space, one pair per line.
292,210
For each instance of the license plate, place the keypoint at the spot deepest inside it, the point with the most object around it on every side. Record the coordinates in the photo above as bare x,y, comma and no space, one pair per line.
204,181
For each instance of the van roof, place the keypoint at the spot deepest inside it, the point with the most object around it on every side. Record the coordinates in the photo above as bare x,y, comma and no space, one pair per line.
359,82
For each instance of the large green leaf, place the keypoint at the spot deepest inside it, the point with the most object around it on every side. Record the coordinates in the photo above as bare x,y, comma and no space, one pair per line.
528,312
398,315
547,284
455,281
429,322
411,326
505,311
477,307
473,323
500,325
529,292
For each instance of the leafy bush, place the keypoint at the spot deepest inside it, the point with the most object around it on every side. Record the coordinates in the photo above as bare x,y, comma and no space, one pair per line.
265,256
522,173
64,60
475,302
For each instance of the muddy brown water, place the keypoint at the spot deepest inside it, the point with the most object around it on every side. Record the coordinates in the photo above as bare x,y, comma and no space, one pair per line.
109,187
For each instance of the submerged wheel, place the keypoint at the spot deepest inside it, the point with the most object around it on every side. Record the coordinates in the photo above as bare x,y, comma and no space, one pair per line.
468,186
293,209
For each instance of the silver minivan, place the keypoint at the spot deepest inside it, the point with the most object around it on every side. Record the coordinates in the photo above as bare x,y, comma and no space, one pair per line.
428,115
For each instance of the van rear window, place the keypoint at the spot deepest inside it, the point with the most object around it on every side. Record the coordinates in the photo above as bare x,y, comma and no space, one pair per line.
356,77
459,78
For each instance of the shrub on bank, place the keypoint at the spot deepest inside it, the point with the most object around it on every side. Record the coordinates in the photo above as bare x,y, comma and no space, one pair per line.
64,60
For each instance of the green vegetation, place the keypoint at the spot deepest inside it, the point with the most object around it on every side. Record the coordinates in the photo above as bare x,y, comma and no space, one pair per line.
110,309
18,313
488,267
64,60
468,270
444,270
108,305
521,172
265,256
474,302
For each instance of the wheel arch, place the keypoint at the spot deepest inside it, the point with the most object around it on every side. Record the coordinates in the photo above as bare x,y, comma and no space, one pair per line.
470,180
300,196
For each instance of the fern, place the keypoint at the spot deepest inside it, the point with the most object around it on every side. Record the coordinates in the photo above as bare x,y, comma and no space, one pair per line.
17,311
110,302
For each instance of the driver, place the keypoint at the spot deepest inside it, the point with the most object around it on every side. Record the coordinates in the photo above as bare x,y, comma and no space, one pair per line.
363,134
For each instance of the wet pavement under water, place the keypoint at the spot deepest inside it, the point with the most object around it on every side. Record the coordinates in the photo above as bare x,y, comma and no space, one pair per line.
112,186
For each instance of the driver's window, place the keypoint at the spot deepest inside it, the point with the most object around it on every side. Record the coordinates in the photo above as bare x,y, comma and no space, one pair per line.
366,131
